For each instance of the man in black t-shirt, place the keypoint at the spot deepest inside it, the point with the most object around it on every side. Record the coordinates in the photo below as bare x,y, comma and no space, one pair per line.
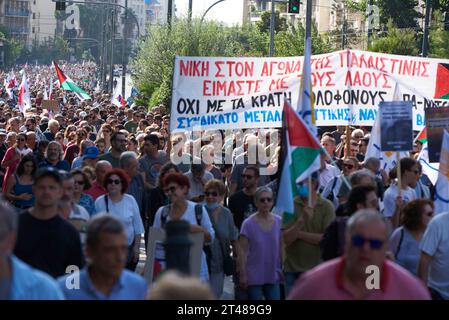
241,203
45,240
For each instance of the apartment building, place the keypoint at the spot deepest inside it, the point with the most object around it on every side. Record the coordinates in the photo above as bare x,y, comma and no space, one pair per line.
15,15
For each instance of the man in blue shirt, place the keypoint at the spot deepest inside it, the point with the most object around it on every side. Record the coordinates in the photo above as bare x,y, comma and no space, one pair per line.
18,281
53,156
106,277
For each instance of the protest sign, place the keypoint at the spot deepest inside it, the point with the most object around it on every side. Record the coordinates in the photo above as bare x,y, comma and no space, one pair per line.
50,105
231,93
396,126
437,120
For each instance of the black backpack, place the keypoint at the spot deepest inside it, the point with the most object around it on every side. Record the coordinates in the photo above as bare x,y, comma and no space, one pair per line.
198,214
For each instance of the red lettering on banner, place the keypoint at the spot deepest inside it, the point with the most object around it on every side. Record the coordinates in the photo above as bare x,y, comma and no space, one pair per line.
320,63
368,79
218,64
194,68
424,71
322,79
240,69
277,84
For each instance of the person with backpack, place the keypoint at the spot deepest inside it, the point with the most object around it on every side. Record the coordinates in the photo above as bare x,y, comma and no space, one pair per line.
176,186
405,240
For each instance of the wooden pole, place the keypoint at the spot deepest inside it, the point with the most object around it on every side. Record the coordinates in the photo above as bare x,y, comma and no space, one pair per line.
310,191
348,141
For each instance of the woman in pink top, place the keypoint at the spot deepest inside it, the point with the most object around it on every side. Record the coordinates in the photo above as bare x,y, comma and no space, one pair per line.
259,265
13,156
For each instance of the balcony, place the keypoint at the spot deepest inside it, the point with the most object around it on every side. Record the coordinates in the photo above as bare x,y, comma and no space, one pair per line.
19,30
13,12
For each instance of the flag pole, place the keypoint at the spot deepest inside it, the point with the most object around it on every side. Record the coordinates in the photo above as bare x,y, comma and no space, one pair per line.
310,191
348,140
398,172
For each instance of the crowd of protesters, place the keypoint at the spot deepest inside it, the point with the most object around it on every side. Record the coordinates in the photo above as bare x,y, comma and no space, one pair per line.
82,185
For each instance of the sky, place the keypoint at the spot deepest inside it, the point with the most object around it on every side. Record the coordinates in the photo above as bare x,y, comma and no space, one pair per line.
229,11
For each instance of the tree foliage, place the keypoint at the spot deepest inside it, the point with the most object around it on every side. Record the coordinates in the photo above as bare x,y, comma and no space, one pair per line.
396,41
280,23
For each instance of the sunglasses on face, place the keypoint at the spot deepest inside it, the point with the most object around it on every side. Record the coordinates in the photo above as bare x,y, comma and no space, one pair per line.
170,190
112,181
266,200
213,194
78,182
359,241
21,139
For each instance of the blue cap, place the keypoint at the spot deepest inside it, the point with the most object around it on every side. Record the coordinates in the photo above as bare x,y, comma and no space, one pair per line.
91,153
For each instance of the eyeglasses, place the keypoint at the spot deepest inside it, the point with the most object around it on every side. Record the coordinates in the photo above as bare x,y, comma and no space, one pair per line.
110,181
79,182
359,241
266,200
349,166
171,189
21,139
213,194
247,176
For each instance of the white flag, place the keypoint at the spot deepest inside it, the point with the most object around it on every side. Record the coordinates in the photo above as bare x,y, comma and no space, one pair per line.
430,169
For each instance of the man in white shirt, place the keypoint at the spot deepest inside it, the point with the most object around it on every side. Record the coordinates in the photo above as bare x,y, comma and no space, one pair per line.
392,201
434,262
327,172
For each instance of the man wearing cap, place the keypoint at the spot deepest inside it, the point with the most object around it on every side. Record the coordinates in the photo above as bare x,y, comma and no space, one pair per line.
44,239
198,177
90,157
302,232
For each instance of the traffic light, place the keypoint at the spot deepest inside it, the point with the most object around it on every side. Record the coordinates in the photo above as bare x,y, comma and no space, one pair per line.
60,5
293,6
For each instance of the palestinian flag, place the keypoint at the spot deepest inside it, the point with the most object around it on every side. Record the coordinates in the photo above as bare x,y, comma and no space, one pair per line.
69,85
422,136
442,82
301,158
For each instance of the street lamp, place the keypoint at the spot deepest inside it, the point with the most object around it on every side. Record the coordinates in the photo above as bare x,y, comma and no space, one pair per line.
205,12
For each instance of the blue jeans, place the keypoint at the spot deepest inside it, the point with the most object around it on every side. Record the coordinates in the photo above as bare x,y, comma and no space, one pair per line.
269,291
290,279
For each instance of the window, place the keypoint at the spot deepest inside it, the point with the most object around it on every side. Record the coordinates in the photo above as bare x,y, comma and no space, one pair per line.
34,15
34,31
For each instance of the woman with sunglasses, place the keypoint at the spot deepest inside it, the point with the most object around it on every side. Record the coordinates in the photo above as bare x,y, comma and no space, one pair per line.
226,234
405,240
259,258
176,186
124,207
19,189
13,156
82,183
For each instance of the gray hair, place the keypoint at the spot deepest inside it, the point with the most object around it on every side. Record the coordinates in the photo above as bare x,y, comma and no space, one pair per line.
8,218
261,190
125,156
368,215
357,176
102,223
53,122
61,152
